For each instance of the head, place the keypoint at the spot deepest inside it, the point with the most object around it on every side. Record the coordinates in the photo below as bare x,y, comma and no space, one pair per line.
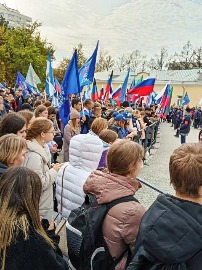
51,113
75,118
41,111
76,104
13,123
13,149
42,130
200,136
26,106
98,125
186,170
88,103
18,93
97,111
148,110
1,103
47,104
120,120
108,136
125,104
125,158
136,114
20,191
28,116
37,103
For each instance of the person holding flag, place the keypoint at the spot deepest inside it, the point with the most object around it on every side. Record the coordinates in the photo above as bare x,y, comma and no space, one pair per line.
185,125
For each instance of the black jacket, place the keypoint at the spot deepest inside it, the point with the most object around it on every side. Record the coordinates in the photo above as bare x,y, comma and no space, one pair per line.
170,236
3,169
185,125
33,254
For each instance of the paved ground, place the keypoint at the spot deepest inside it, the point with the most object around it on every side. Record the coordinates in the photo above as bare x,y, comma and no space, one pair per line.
157,172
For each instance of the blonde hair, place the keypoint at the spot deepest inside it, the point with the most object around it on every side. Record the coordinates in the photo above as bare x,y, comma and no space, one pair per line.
11,146
123,157
98,125
20,191
39,125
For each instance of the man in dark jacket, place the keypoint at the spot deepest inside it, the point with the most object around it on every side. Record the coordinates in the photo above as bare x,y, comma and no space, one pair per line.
170,234
185,125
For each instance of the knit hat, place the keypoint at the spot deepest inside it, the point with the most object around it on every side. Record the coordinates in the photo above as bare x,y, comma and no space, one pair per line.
74,114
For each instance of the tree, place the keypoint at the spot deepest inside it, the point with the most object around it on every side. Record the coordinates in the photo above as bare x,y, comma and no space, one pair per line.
121,63
160,61
24,45
104,62
185,59
198,58
3,22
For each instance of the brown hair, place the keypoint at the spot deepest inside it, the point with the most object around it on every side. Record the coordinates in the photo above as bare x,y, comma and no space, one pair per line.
47,104
123,156
108,136
27,115
98,125
186,169
11,146
39,125
20,191
11,123
39,110
37,103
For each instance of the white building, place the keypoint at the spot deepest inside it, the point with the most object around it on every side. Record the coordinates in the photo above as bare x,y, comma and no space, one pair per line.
14,17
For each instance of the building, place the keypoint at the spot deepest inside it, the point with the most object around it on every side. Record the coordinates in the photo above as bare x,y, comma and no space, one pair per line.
14,17
182,81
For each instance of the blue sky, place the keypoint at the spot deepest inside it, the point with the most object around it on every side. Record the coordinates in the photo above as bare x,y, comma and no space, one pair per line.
121,25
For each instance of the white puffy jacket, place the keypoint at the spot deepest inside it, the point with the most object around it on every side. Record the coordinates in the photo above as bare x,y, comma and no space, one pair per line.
85,151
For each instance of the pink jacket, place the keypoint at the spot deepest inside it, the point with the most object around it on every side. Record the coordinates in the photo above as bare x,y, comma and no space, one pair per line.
121,224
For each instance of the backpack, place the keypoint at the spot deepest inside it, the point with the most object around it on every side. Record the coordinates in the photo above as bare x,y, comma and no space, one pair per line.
87,249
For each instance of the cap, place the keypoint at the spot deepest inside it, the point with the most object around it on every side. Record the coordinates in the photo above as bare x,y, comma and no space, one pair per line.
120,117
127,115
26,106
114,114
74,114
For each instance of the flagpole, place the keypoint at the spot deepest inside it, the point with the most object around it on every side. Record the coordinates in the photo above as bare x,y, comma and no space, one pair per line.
45,96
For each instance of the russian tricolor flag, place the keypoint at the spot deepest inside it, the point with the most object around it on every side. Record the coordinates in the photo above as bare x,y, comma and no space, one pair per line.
117,93
144,88
101,93
108,88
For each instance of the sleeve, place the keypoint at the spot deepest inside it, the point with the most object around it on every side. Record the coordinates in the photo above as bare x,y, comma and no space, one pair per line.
35,163
67,135
132,219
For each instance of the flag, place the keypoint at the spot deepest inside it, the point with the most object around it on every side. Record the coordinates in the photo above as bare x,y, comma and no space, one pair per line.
94,94
101,93
108,88
168,102
132,83
70,85
140,80
186,100
117,93
152,98
144,88
200,102
20,80
164,97
32,78
159,96
86,72
57,85
124,87
50,89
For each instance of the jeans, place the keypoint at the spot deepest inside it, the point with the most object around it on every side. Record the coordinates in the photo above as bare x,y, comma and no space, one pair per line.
183,139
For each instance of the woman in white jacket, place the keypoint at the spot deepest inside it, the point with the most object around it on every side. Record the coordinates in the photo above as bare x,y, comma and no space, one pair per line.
85,151
38,159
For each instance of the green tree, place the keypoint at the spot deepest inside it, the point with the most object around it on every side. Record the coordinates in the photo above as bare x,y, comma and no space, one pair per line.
24,45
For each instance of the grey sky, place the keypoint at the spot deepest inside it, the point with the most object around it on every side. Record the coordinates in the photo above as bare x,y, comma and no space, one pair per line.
121,25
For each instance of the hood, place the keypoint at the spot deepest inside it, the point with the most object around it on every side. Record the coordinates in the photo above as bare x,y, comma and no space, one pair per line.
171,230
108,187
85,151
44,152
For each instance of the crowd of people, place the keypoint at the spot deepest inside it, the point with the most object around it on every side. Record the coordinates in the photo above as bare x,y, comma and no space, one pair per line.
103,149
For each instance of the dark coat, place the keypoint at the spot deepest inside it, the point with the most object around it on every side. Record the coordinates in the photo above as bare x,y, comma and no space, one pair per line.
170,236
185,125
33,254
3,169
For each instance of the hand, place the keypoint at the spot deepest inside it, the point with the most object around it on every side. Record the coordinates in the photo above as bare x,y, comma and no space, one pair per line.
84,118
57,166
52,224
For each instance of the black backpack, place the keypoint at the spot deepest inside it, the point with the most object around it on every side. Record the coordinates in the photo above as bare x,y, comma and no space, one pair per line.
87,249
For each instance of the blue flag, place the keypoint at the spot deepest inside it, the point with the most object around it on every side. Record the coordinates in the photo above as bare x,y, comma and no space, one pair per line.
132,83
124,87
20,81
70,85
186,100
86,72
50,89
